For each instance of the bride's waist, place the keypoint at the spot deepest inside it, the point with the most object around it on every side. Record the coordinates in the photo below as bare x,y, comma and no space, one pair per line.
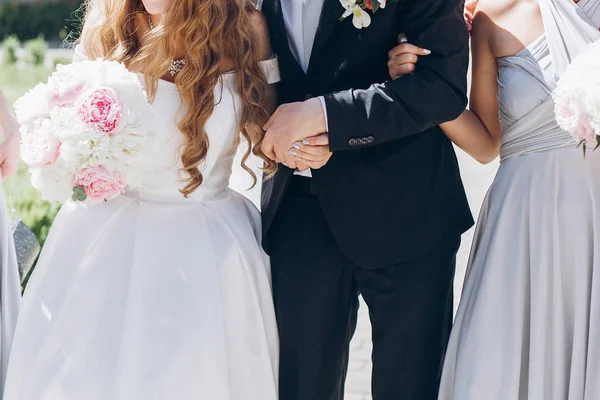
174,196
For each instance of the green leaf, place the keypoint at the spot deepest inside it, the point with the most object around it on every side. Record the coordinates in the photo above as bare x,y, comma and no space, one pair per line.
375,4
79,194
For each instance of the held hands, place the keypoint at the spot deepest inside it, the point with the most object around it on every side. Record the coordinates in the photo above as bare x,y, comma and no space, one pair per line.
296,136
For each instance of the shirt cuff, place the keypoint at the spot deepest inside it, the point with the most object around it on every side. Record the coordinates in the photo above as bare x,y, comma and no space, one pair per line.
322,99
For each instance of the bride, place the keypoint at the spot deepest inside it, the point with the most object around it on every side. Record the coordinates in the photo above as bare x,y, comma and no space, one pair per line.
528,326
163,293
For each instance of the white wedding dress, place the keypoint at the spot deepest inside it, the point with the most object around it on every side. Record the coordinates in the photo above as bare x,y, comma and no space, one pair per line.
153,296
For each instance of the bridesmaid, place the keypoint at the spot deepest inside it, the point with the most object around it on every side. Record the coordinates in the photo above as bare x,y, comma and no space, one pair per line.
528,326
10,289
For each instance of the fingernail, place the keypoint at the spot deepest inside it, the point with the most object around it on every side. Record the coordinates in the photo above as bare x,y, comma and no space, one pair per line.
296,145
306,141
294,152
427,52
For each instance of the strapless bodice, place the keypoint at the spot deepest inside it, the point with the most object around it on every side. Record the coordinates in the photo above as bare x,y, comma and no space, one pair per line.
526,108
527,80
524,81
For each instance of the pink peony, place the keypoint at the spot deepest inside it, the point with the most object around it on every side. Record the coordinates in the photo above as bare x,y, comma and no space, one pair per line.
566,110
102,110
100,184
40,145
584,130
570,117
64,88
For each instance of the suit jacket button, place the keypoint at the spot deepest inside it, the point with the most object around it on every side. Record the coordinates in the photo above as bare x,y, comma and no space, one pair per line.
352,142
363,141
370,139
308,96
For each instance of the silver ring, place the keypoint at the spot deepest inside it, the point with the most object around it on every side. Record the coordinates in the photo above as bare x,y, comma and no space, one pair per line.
404,39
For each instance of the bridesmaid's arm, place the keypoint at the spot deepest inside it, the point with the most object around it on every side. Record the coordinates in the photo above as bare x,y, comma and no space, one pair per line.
8,123
9,148
477,131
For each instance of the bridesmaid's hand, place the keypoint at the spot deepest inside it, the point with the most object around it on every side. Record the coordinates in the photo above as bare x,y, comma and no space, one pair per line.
470,6
403,58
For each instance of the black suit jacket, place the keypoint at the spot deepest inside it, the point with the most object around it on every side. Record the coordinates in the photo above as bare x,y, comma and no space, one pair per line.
392,189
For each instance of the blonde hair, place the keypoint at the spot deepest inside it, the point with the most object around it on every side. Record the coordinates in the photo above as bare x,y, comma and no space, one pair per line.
214,34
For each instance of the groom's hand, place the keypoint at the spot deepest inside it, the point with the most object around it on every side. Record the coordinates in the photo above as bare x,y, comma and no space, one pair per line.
292,123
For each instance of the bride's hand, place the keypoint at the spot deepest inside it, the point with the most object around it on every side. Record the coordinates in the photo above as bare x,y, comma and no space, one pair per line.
9,155
403,58
312,153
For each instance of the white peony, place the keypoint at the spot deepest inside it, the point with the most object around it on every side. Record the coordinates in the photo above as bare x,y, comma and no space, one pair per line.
577,97
93,135
33,105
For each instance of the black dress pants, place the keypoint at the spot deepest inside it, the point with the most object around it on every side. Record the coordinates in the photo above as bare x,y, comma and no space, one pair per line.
316,291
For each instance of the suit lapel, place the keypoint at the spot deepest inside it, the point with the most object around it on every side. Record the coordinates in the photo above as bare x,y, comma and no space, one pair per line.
330,15
273,12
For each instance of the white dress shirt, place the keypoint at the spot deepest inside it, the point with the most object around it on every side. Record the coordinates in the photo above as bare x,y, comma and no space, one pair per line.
301,19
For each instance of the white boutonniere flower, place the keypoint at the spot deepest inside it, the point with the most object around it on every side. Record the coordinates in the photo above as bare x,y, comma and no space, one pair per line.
359,9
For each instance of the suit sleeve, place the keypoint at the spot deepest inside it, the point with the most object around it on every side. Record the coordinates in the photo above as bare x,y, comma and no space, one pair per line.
435,93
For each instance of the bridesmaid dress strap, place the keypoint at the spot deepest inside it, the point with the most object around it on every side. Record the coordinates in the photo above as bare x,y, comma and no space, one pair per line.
569,31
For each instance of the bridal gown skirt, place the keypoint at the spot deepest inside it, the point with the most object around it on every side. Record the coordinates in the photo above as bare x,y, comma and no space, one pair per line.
142,300
528,327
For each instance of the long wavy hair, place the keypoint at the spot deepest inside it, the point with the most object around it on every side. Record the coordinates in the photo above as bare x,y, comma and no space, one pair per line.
214,35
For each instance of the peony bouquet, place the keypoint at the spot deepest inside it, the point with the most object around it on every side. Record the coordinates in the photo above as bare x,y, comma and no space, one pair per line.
577,98
88,133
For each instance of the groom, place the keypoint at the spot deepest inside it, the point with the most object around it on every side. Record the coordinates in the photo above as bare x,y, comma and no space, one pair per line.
382,214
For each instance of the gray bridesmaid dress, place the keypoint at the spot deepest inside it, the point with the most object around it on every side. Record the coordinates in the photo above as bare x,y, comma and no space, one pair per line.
528,326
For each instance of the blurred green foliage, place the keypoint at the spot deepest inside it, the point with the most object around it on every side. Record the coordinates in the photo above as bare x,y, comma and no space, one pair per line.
36,50
53,20
37,214
10,45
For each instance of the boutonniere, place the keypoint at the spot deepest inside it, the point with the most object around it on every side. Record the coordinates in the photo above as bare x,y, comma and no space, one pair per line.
359,9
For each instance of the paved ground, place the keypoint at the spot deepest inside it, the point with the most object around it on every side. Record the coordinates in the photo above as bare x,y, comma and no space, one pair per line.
477,179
